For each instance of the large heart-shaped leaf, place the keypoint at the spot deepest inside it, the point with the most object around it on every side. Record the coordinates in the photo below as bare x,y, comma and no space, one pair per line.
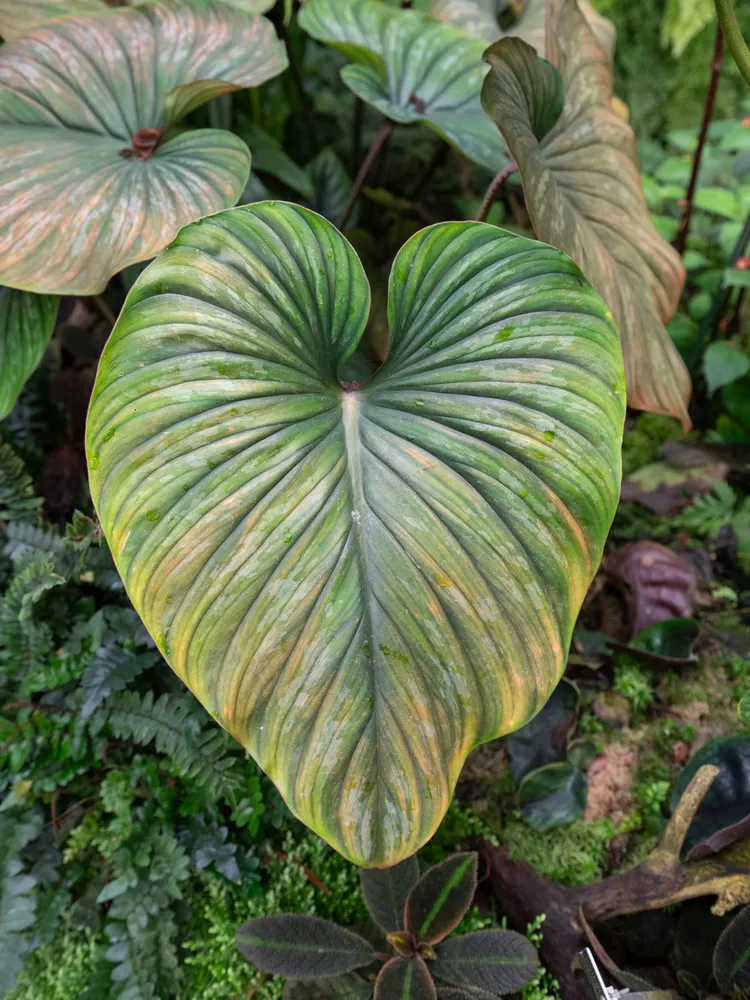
584,195
18,17
26,325
81,193
411,68
360,585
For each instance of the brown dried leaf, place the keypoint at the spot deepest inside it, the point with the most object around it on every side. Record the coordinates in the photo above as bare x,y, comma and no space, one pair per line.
661,584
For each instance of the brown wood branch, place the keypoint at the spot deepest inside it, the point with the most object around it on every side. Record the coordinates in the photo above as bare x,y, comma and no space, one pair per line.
661,880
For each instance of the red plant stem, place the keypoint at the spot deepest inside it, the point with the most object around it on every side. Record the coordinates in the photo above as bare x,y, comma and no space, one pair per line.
380,139
495,184
687,211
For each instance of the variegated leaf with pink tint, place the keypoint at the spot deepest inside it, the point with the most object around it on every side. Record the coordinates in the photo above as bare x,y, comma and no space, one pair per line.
584,195
82,195
18,17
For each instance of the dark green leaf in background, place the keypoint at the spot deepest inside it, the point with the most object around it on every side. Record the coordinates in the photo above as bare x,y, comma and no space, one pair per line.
553,796
385,891
723,817
26,325
732,955
544,740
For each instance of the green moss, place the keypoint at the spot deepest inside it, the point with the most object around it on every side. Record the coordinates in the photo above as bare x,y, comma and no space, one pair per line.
60,970
641,444
214,969
573,855
457,827
634,682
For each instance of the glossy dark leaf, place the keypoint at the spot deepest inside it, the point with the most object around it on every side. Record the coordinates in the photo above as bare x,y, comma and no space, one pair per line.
405,979
346,987
672,638
442,896
544,740
732,955
553,796
492,960
306,947
385,891
661,584
723,817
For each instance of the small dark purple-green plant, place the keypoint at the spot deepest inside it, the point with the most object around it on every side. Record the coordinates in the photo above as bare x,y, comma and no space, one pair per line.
416,914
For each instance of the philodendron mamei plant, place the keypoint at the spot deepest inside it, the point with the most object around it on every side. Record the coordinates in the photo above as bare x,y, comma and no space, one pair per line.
360,582
98,170
417,915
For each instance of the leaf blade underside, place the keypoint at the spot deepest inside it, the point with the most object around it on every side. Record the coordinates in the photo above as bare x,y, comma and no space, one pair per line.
583,193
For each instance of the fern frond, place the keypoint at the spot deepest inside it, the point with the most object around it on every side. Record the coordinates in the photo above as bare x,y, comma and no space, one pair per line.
17,500
167,722
28,541
111,669
174,724
26,643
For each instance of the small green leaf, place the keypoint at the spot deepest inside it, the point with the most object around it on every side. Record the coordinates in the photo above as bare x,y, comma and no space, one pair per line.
743,708
718,201
385,891
553,796
269,157
544,740
346,987
26,325
673,637
736,277
723,363
439,900
405,979
331,184
732,955
492,960
453,993
304,947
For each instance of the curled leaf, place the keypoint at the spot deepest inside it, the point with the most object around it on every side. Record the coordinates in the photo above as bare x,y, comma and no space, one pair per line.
661,584
583,193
